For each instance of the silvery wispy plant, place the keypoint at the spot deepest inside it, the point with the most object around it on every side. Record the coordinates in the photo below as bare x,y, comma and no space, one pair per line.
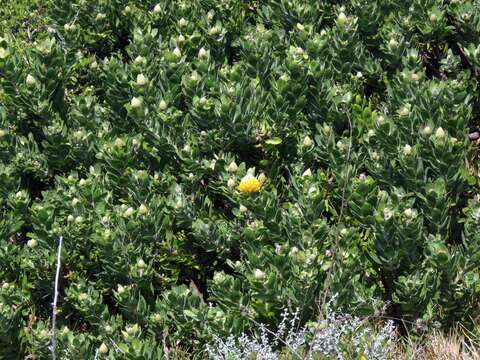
336,337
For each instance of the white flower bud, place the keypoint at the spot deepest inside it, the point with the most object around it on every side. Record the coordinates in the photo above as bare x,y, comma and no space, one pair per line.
232,167
393,43
78,220
177,52
262,178
142,210
258,274
31,81
407,150
136,102
157,9
141,80
70,218
427,130
307,142
119,143
162,105
32,243
408,213
140,60
129,212
341,19
380,120
213,31
404,111
82,182
182,22
307,173
100,16
231,183
120,289
340,145
433,18
439,134
141,264
181,38
103,349
202,53
243,209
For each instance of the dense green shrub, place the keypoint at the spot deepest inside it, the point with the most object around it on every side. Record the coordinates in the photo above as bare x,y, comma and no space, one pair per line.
126,127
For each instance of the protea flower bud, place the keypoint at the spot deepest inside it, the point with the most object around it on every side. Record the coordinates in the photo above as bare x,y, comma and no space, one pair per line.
103,349
142,210
119,143
100,16
129,212
32,243
162,105
262,178
136,102
31,81
393,44
202,53
307,173
440,134
140,60
307,142
427,130
258,274
341,19
232,167
409,213
182,22
177,52
141,80
141,264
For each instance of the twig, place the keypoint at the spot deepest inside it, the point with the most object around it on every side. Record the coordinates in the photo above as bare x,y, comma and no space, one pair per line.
55,299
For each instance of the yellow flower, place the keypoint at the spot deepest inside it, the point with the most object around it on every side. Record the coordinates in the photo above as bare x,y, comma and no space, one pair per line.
249,184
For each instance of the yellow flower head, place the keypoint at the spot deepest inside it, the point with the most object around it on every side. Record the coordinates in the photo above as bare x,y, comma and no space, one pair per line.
249,184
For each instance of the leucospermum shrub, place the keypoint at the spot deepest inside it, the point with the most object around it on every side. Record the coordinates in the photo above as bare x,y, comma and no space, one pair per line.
209,164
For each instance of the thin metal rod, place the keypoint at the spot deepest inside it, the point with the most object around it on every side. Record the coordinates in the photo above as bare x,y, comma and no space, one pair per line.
55,299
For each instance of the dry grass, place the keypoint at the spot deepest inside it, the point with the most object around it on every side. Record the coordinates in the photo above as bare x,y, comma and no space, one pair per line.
456,345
